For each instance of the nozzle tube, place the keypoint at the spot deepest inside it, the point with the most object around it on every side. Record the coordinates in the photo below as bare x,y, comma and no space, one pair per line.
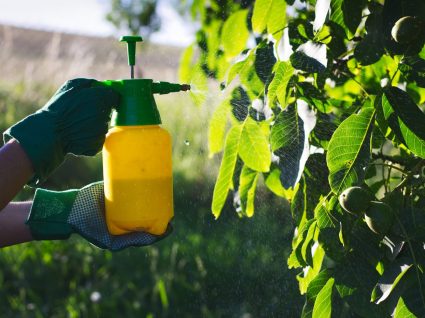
165,87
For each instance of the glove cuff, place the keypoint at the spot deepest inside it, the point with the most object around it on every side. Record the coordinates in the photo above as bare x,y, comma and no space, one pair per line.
40,146
48,218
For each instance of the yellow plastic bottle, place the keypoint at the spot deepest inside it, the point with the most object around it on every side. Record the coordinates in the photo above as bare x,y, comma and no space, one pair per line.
138,179
137,166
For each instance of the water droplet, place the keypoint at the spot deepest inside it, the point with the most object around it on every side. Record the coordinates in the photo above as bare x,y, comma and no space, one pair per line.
187,142
95,296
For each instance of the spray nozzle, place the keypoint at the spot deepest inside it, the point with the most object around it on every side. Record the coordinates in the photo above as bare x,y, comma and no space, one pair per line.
165,87
131,50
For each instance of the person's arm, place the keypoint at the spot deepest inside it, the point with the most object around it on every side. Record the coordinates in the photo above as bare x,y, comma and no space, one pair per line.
15,171
13,229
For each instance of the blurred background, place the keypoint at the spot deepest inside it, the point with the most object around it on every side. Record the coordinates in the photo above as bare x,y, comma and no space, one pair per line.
231,267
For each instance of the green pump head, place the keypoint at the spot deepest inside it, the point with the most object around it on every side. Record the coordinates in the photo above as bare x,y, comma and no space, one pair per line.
131,50
137,105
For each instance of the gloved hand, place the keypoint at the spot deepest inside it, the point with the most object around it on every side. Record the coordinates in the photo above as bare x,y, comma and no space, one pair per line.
56,215
75,120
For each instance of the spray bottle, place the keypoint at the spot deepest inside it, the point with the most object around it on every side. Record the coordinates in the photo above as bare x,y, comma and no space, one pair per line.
137,166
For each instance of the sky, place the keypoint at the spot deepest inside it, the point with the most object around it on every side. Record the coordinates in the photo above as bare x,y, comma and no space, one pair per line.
88,17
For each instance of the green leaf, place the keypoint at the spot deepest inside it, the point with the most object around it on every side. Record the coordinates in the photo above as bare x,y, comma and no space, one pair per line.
337,15
324,35
411,289
264,61
286,124
323,304
316,174
320,13
239,68
307,245
352,13
217,127
227,167
262,9
311,272
270,14
312,96
380,118
324,212
235,33
283,72
240,103
401,311
299,203
196,8
162,293
301,61
277,19
312,186
273,183
354,279
185,69
317,284
401,278
247,74
212,31
247,185
313,289
349,151
296,260
330,241
287,140
389,280
413,67
369,50
324,129
254,148
366,243
405,119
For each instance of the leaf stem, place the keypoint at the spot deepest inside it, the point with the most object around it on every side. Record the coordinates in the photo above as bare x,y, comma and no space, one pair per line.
280,30
361,86
388,177
380,155
345,54
410,175
395,73
383,170
383,177
390,166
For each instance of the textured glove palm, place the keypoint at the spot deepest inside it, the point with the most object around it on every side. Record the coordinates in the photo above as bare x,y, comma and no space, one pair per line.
56,215
75,120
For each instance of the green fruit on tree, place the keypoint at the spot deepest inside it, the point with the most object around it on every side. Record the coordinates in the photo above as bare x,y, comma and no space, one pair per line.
379,217
355,200
407,30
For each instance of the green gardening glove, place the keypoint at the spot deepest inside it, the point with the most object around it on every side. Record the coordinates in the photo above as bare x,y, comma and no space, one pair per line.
56,215
75,120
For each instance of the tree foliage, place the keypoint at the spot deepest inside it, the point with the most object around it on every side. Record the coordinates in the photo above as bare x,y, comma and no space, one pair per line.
320,96
137,16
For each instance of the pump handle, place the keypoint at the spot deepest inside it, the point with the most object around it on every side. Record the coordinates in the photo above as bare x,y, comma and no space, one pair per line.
131,47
